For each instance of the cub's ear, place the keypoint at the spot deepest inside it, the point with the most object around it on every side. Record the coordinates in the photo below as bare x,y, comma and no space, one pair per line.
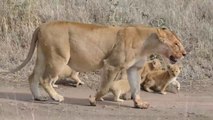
153,62
169,66
180,67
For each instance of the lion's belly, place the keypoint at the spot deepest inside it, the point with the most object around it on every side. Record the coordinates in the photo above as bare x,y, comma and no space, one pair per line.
88,47
84,64
86,58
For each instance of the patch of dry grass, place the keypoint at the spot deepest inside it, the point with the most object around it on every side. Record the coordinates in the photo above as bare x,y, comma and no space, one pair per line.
192,20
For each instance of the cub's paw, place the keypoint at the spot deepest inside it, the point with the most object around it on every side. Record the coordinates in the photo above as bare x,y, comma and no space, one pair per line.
79,83
163,93
100,99
119,100
148,90
55,86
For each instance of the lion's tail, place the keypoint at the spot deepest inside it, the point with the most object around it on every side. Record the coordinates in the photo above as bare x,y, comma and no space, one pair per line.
30,53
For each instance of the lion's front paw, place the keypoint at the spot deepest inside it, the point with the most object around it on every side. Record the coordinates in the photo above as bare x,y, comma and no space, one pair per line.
140,104
58,98
163,93
92,101
41,98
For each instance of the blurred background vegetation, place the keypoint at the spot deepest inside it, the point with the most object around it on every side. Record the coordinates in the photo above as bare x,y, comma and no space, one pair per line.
192,20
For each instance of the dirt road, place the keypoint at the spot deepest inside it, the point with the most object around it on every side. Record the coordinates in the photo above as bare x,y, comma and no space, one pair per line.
16,104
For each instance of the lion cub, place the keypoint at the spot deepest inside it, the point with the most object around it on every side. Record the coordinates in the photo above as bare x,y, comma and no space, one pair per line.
149,66
160,79
68,73
121,87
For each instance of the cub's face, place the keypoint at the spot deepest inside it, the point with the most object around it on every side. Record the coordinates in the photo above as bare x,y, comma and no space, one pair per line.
156,64
174,70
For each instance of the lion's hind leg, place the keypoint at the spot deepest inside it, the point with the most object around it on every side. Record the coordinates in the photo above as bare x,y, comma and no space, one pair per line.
36,76
34,87
52,70
50,75
46,84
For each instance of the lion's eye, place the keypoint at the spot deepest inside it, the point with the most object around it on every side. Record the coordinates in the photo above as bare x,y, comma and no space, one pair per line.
163,28
176,46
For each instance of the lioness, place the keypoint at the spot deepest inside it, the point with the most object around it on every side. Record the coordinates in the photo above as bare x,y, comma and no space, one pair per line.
84,47
67,72
160,79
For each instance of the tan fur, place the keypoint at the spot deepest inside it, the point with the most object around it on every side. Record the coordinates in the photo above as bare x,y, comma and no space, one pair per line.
84,47
149,66
69,73
159,80
120,87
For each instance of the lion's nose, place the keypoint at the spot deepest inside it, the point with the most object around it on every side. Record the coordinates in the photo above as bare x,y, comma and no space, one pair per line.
184,54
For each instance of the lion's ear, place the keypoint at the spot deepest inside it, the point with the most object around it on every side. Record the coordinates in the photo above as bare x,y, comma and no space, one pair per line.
163,28
161,34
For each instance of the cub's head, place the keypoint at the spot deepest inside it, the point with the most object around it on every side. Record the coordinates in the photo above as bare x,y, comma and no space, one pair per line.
156,64
174,70
171,47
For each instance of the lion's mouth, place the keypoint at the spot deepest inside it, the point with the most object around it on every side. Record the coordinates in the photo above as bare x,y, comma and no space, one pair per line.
172,59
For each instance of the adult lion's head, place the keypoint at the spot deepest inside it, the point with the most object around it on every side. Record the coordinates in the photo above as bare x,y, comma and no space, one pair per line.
172,47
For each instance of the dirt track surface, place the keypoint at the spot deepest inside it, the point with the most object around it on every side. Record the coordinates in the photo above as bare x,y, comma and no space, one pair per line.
16,103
